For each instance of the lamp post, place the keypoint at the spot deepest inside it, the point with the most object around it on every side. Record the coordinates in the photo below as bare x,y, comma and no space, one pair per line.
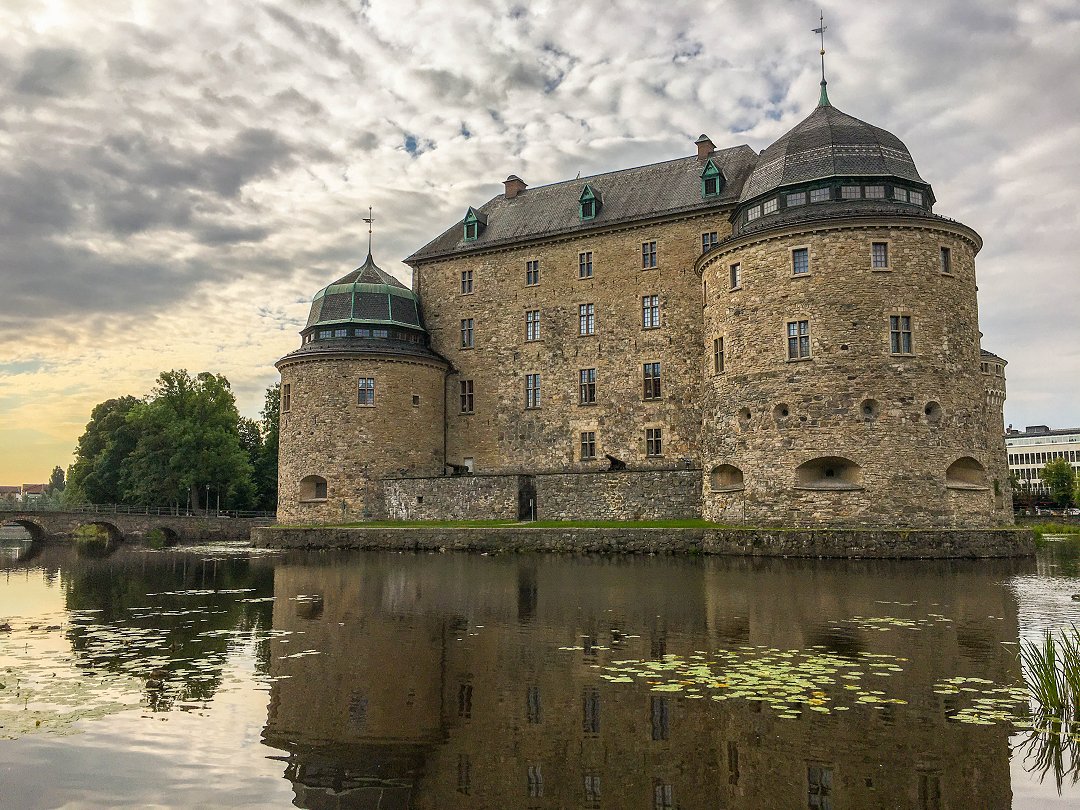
206,503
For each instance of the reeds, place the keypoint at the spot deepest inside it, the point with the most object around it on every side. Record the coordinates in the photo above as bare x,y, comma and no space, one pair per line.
1052,674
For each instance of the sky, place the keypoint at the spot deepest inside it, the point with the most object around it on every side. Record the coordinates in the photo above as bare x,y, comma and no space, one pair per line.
178,179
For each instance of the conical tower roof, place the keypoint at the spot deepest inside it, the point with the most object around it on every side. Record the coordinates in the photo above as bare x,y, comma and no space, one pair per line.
366,296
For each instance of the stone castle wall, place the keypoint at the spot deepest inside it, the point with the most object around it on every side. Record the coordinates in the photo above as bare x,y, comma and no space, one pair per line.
457,497
501,433
902,419
326,433
619,495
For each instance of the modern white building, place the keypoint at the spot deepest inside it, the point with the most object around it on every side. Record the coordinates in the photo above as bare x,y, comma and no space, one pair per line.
1030,450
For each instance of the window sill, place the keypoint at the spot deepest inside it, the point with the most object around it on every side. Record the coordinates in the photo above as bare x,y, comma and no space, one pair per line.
800,275
880,269
649,328
587,334
467,293
948,275
465,348
958,485
652,399
466,413
840,486
659,456
362,405
799,359
587,404
314,500
734,488
735,288
532,407
901,355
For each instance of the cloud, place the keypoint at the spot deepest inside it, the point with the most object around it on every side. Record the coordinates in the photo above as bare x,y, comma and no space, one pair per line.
53,72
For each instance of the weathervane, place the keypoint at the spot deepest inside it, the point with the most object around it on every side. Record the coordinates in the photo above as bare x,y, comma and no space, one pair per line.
823,101
369,219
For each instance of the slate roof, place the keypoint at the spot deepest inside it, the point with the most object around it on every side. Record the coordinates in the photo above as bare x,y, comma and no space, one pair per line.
367,295
829,210
830,143
658,189
368,346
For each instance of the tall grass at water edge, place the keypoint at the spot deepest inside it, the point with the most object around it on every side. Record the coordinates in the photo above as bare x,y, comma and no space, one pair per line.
1052,674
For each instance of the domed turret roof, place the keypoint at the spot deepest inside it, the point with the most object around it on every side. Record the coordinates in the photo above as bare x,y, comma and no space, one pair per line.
830,143
367,295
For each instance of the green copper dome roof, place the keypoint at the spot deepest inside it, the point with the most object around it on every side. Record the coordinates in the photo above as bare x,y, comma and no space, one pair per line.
367,295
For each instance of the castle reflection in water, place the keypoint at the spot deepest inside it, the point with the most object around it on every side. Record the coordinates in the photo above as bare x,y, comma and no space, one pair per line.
440,683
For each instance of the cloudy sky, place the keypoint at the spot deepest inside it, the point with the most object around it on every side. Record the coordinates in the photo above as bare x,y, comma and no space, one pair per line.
177,179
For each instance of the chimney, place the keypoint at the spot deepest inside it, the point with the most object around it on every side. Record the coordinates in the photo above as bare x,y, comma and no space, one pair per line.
514,186
705,147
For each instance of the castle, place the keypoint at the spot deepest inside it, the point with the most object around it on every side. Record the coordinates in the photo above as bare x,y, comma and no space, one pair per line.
787,338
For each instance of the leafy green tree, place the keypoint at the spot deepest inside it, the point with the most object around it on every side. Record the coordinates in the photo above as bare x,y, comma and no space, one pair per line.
56,481
1059,477
109,438
189,443
266,468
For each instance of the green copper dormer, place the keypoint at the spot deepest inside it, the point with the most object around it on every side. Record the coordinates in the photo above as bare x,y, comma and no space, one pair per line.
368,297
473,225
712,180
589,203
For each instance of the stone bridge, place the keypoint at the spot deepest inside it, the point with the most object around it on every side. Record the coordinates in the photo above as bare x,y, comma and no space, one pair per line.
54,526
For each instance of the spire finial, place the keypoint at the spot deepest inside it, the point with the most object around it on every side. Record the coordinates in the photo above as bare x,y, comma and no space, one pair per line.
823,99
369,219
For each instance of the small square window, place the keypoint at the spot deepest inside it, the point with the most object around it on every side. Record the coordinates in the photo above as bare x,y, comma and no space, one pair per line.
588,445
648,255
946,261
654,441
365,392
708,241
800,261
798,337
900,194
466,333
900,334
532,273
879,255
770,206
416,400
798,198
472,230
466,281
753,213
735,275
585,264
710,186
820,195
875,192
915,197
466,387
850,192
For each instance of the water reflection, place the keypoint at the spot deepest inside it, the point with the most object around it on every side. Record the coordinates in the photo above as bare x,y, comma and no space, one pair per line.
453,681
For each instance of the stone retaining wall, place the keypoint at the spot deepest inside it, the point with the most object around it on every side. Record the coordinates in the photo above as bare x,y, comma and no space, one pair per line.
852,543
621,495
463,497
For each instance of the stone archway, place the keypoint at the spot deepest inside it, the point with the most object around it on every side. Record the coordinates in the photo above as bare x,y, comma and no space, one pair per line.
36,531
162,537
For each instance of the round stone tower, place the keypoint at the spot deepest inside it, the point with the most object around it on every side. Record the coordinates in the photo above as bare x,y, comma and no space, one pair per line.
841,326
361,399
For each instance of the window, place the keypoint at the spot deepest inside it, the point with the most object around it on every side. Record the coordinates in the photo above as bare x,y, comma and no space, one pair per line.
466,282
416,400
663,797
661,715
651,377
879,255
379,333
718,355
820,195
711,180
798,340
650,312
338,333
588,451
648,254
584,269
592,790
587,386
325,333
770,206
532,272
363,333
463,775
535,782
819,787
875,192
471,231
286,397
532,705
915,197
798,198
466,396
365,392
946,261
590,699
899,194
466,333
532,324
654,441
586,319
800,261
735,275
588,204
753,213
849,192
708,241
532,390
464,701
900,334
313,488
473,224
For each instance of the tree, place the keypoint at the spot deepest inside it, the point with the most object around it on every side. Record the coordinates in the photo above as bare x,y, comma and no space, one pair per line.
56,481
189,443
266,467
104,446
1059,477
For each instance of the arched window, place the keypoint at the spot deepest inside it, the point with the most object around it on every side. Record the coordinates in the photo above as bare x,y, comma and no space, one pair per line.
966,473
828,473
726,478
313,488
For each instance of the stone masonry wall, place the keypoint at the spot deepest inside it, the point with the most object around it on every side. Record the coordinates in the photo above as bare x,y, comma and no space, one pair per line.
621,495
903,419
327,433
501,435
461,497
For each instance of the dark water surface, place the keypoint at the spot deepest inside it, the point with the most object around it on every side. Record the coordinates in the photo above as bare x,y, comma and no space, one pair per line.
218,676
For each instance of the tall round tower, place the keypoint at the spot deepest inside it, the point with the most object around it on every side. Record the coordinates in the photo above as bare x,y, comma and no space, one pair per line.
842,333
362,398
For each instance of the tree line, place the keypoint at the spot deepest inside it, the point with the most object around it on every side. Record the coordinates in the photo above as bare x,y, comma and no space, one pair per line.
1058,477
184,444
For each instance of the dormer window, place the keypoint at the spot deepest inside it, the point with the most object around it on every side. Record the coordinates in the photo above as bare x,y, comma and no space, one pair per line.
712,181
588,204
473,225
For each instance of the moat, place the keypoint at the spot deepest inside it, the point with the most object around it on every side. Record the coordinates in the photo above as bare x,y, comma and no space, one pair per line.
226,676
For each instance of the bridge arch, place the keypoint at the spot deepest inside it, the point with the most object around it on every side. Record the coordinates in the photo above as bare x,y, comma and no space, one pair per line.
162,536
36,531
